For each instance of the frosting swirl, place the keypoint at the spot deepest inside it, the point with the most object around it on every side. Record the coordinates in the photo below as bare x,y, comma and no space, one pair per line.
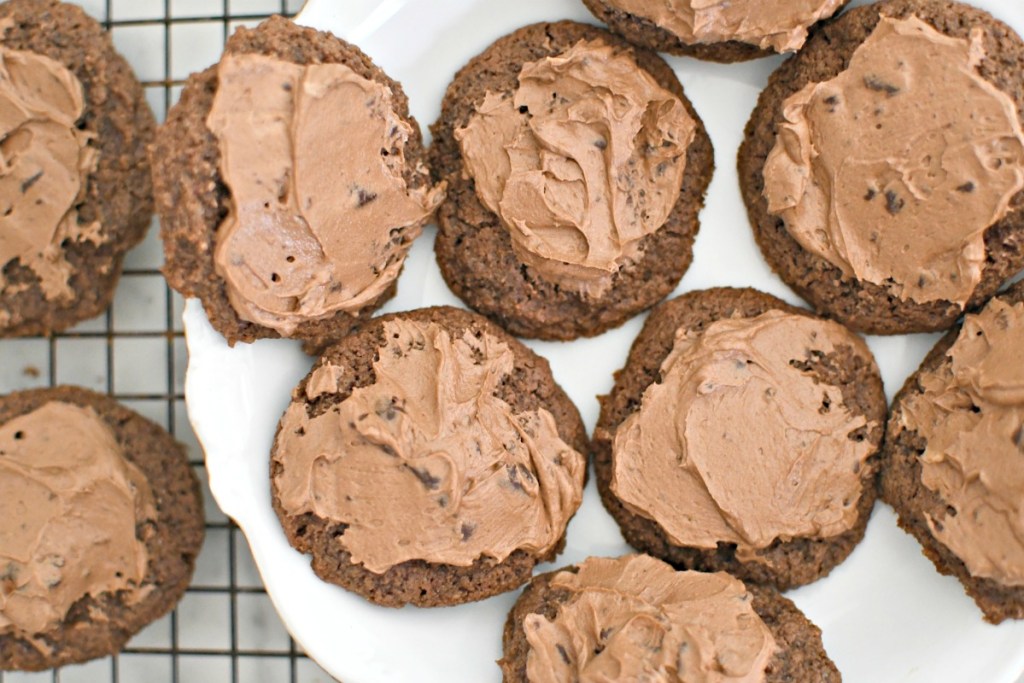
322,214
45,162
635,618
893,170
583,161
779,25
428,463
70,518
970,410
684,460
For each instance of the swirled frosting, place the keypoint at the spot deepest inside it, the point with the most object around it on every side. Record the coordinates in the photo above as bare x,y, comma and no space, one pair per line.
580,163
893,170
970,410
635,618
321,214
779,25
427,462
740,442
45,162
69,517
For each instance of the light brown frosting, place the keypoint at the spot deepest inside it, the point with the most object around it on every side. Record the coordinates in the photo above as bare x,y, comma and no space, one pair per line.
321,215
737,444
44,169
635,618
971,413
427,463
70,510
779,25
893,169
581,163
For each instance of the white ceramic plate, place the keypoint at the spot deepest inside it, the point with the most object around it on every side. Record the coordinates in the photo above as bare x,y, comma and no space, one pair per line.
885,613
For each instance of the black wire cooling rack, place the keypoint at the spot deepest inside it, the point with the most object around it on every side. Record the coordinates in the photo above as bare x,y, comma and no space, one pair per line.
225,630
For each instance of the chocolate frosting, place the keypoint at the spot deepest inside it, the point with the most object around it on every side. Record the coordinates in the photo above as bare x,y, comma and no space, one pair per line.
580,163
635,618
69,517
893,170
427,462
779,25
321,214
44,170
970,410
739,443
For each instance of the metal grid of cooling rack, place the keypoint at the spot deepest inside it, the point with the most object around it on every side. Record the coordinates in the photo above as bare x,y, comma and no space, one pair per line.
225,630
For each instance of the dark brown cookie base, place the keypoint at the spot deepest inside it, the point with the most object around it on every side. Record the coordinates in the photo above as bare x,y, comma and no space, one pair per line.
474,250
863,305
118,193
192,199
784,564
426,584
901,487
642,31
100,626
801,657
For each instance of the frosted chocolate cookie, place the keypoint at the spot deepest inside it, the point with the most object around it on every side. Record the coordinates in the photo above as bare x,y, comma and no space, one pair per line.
428,458
720,30
101,520
952,463
290,184
883,167
576,168
598,621
75,191
742,435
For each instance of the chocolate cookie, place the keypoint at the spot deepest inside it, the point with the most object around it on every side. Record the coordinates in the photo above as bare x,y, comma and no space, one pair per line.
727,32
702,622
742,436
290,186
101,523
907,230
571,255
951,461
76,186
428,458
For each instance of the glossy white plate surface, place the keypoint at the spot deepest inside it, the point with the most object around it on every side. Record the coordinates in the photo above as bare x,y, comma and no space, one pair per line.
885,613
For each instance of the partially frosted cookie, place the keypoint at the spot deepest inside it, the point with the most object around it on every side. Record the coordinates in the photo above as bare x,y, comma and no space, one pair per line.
635,618
428,458
742,435
953,464
576,169
716,30
290,184
75,190
101,520
883,168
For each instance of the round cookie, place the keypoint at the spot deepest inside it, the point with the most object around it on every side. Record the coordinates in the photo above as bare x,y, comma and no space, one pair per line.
754,541
59,265
475,452
475,249
861,303
639,28
799,658
168,525
977,427
196,184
